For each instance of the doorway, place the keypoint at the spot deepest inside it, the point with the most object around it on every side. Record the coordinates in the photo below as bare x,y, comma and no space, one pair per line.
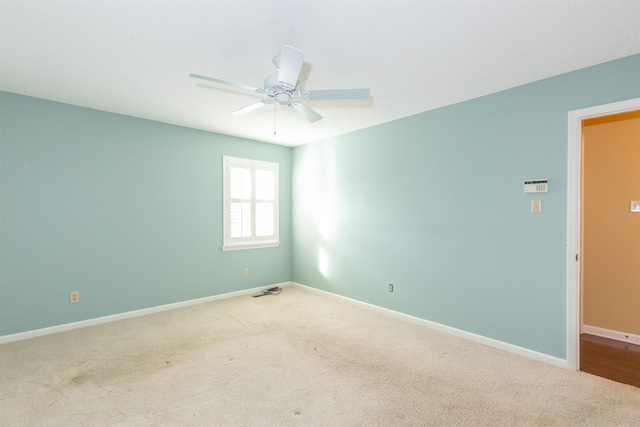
610,247
574,196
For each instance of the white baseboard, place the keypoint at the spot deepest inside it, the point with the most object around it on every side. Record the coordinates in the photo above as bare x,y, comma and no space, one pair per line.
433,325
614,335
120,316
531,354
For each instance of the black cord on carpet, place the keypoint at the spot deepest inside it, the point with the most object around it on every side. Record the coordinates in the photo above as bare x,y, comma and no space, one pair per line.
271,291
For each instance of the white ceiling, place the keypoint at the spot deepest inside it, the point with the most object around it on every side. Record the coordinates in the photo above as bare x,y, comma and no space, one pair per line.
134,57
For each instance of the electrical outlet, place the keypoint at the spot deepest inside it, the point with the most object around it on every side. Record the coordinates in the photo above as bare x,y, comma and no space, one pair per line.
74,297
245,271
390,287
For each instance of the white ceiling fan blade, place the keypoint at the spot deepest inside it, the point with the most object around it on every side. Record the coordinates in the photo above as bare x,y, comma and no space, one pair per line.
253,107
305,111
316,95
291,60
224,82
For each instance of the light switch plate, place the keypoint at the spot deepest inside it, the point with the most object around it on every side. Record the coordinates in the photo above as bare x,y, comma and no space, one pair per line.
536,206
634,206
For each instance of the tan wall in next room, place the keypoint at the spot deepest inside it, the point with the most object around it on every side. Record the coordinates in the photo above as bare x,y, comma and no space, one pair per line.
611,233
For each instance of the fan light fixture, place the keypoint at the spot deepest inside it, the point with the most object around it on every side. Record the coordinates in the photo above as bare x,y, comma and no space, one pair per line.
284,87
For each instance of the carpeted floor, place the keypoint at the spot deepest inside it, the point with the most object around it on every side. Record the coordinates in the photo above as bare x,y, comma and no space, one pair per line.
298,358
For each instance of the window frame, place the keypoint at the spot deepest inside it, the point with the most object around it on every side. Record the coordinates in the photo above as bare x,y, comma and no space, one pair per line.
253,241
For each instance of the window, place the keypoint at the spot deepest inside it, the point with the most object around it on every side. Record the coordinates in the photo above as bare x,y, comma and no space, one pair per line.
250,204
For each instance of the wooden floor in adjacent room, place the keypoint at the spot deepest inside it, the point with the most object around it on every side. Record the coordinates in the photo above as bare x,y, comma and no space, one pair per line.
616,360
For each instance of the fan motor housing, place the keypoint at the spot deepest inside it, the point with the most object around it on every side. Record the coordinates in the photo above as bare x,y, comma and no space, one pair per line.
281,93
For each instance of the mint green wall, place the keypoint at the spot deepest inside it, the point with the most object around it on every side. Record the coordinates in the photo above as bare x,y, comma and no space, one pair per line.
124,210
128,211
434,204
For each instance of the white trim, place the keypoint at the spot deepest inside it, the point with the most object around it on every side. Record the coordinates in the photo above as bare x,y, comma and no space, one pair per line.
521,351
241,246
614,335
136,313
251,242
573,217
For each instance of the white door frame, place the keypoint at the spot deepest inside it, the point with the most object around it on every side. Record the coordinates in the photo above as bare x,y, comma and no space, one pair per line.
573,218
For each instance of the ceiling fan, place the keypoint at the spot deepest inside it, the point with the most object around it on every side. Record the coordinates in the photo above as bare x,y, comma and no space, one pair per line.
285,89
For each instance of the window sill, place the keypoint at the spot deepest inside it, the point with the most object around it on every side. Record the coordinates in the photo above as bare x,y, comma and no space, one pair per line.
242,246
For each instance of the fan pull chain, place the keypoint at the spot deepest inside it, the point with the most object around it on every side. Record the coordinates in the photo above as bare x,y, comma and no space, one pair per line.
274,118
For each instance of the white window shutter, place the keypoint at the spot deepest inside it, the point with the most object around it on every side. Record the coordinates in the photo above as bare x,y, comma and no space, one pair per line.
250,203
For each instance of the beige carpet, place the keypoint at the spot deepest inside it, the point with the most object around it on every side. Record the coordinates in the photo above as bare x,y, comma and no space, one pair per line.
298,358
